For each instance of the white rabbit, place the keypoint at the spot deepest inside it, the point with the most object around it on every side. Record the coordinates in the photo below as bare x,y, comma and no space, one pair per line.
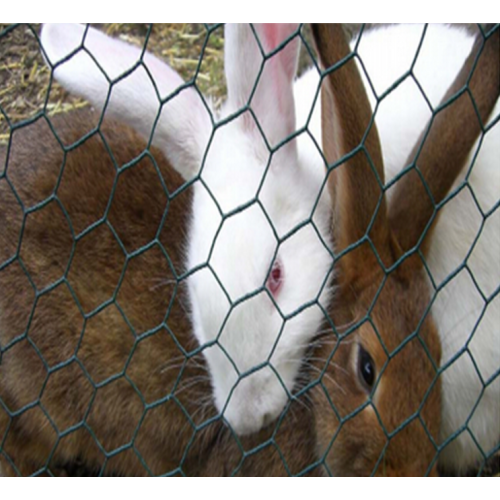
254,255
471,296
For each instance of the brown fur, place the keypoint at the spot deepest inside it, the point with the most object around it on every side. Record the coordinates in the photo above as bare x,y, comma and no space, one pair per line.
77,367
354,430
59,345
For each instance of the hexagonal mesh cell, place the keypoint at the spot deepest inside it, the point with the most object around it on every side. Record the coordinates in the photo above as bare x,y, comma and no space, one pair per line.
108,356
74,187
128,218
66,406
56,307
35,161
46,245
96,268
252,249
146,290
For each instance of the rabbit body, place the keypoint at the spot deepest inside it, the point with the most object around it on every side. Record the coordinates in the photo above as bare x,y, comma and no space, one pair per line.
69,331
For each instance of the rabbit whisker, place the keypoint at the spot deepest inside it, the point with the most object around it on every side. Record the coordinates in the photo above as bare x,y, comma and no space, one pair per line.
324,374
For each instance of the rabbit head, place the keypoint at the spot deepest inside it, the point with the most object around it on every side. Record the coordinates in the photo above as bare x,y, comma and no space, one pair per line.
261,257
257,256
379,403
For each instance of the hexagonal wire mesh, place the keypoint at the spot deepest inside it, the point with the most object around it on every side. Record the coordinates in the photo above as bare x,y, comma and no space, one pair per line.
103,368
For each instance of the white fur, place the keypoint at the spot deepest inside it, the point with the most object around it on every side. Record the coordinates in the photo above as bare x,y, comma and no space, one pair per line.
230,249
462,304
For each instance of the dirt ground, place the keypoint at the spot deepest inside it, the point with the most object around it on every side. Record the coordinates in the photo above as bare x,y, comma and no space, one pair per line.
25,79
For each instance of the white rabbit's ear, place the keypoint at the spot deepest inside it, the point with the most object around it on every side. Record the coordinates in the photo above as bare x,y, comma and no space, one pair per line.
134,87
272,101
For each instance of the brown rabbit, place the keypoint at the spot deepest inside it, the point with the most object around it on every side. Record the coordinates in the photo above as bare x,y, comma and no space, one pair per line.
93,330
378,406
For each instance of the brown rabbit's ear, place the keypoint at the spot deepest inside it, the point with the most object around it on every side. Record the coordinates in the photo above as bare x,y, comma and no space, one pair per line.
451,136
357,183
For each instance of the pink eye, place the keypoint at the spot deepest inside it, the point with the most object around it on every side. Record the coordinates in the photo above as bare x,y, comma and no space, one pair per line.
275,278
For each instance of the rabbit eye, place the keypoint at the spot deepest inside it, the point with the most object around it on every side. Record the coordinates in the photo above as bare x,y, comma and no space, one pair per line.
275,278
366,368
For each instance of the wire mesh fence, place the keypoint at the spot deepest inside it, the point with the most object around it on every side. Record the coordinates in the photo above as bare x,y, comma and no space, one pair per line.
301,278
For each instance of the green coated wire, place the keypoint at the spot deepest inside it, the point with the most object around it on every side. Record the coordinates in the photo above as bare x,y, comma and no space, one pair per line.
181,276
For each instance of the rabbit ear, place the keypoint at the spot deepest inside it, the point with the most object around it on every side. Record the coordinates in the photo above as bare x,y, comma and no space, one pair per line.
88,63
357,183
272,79
441,155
